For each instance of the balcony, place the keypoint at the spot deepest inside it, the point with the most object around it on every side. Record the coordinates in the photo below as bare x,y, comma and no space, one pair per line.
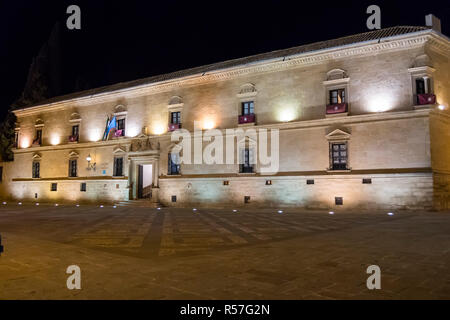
73,139
36,142
119,133
336,108
174,126
247,118
426,98
243,168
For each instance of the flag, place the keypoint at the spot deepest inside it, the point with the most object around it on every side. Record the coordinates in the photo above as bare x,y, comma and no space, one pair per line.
111,124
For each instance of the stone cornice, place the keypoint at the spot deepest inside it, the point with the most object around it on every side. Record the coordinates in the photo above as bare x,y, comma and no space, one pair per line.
411,40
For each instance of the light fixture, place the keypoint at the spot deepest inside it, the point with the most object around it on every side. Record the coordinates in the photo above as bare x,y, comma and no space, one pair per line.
20,203
37,203
114,206
91,166
158,208
234,210
390,214
77,205
441,107
280,211
194,209
331,212
56,204
101,206
4,202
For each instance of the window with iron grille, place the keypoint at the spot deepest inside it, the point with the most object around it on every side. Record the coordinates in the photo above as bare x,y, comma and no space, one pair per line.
54,187
247,107
72,168
36,169
83,187
121,126
175,117
174,166
118,167
310,181
338,155
337,96
246,165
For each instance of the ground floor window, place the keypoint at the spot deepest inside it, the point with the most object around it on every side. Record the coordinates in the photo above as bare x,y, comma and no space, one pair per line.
54,187
72,168
36,169
173,164
83,187
118,167
246,165
338,155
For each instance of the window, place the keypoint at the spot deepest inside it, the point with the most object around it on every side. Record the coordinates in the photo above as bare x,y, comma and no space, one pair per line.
36,169
54,187
118,167
339,201
16,139
174,164
268,182
121,126
75,133
72,168
246,199
226,183
246,166
1,174
83,187
175,117
247,108
174,198
337,96
310,181
38,139
338,154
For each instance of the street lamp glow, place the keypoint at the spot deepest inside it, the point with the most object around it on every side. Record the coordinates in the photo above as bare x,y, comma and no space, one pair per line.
88,158
441,107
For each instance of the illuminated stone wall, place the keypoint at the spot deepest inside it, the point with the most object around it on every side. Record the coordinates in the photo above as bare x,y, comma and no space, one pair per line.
395,191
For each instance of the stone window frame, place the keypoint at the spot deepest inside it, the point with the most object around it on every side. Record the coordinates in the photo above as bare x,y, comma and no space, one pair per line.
75,120
338,136
39,125
251,144
120,112
247,93
16,138
417,73
337,79
119,152
73,156
36,159
175,104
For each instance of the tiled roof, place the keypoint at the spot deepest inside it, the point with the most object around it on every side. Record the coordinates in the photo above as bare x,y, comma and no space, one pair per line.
348,40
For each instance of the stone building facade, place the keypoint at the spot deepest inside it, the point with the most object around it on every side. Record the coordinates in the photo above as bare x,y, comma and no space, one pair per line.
364,122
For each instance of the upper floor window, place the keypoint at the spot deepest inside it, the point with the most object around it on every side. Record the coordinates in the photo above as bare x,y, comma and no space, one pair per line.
38,138
173,164
118,167
75,133
248,108
16,139
120,128
337,96
338,155
72,168
175,117
36,169
422,82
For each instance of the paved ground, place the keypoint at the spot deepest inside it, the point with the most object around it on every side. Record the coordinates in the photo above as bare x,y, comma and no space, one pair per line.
143,253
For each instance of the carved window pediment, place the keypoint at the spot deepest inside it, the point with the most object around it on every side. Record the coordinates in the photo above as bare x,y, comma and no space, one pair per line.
338,134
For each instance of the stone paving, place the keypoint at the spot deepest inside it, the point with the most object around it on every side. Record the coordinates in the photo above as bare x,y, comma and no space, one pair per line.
174,253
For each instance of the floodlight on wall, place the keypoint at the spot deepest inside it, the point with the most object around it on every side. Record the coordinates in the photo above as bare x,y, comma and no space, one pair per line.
441,107
91,166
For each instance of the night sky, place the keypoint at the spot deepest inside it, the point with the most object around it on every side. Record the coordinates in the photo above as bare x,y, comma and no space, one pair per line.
127,40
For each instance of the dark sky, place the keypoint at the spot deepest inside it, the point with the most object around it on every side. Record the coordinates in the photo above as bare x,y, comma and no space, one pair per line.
126,40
